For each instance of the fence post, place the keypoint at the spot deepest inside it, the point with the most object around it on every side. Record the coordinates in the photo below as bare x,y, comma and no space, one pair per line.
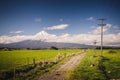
34,61
65,55
14,74
27,60
56,59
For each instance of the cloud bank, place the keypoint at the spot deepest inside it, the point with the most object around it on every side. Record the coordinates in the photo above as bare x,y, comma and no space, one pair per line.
88,38
109,39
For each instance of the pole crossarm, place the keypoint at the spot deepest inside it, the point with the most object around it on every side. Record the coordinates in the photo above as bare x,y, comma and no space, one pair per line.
101,19
101,24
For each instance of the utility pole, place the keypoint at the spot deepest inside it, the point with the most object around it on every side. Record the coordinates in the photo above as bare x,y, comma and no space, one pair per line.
94,42
101,24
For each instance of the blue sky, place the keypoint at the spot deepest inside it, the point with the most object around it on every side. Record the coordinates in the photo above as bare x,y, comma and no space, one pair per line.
29,17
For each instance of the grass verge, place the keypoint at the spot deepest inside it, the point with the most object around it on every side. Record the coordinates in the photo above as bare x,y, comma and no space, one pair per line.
94,67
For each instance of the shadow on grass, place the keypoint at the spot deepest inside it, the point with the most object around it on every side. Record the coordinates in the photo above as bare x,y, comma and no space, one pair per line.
102,68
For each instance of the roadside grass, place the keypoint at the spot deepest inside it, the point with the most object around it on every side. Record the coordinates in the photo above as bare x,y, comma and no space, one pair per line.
94,67
87,69
113,64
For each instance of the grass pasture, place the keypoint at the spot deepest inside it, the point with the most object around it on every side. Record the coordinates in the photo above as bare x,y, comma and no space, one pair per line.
14,64
94,67
10,59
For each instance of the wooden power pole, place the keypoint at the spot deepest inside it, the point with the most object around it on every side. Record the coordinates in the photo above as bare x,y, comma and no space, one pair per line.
101,24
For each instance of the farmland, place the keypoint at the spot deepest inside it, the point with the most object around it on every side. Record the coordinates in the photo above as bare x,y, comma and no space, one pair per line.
10,59
29,64
92,66
96,67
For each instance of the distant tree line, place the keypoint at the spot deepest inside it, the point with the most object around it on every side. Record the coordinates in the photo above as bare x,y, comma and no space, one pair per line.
108,47
55,48
10,49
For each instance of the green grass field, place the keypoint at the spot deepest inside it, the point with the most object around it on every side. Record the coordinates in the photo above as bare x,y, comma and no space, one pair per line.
10,59
94,67
113,64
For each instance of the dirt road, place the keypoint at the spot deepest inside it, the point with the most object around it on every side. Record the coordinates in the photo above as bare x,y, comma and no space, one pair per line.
62,72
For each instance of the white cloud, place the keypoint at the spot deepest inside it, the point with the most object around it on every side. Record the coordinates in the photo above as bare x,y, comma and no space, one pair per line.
91,19
57,27
12,39
98,29
112,39
38,20
117,28
16,32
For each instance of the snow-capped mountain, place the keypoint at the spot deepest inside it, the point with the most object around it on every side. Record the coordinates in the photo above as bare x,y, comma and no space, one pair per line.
42,44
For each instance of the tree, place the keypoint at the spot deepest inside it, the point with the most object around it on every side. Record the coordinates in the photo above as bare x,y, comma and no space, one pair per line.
54,48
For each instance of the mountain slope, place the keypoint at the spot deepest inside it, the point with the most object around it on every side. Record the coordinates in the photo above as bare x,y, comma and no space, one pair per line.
42,44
